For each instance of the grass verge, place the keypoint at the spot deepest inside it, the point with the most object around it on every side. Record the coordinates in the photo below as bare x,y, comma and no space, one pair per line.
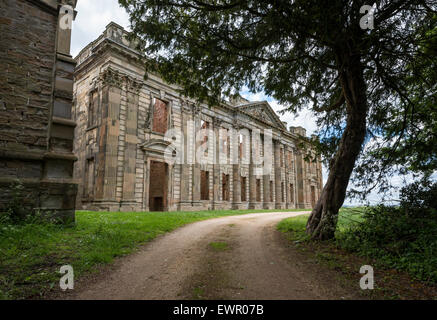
390,282
32,254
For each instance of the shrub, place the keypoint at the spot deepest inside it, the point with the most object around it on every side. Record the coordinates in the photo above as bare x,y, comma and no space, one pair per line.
403,237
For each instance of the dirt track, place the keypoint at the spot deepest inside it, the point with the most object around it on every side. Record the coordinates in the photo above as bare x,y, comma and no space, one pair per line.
257,264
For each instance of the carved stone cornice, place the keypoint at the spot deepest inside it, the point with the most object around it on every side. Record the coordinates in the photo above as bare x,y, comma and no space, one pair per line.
196,109
111,77
115,78
217,122
133,85
237,124
185,107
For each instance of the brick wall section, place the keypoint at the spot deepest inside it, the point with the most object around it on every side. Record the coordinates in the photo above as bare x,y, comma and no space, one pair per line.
160,116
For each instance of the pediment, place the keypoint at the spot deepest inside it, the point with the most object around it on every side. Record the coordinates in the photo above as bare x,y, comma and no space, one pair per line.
158,147
264,112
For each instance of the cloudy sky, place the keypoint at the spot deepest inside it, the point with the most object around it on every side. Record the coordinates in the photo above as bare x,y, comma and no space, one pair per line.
94,15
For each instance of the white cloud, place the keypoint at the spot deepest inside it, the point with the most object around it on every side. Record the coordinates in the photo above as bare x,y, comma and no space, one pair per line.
92,18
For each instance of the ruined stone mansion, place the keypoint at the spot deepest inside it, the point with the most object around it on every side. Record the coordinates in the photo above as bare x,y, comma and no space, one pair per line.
123,146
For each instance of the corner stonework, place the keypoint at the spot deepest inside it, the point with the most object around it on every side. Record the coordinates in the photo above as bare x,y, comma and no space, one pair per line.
36,149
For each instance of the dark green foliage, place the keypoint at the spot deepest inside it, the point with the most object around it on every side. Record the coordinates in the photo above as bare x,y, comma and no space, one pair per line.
419,198
404,138
403,237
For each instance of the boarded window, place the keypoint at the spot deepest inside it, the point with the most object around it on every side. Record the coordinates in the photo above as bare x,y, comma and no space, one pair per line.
258,190
271,191
88,187
204,185
160,117
282,157
243,189
291,193
225,187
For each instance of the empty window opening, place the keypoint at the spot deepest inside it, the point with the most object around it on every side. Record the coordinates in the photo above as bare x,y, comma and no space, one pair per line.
160,116
243,189
204,185
225,187
258,190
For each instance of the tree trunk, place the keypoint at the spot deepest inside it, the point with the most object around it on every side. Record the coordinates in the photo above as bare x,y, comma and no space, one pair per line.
323,220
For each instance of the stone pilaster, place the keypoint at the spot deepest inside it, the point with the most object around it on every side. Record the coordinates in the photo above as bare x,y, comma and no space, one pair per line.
300,183
252,176
185,201
236,173
106,182
216,165
196,165
278,175
287,178
128,202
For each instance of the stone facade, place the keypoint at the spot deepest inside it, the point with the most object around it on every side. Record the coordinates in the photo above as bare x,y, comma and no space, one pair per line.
123,146
36,91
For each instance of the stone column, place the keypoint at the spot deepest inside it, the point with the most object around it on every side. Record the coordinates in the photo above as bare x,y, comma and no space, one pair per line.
108,141
300,183
236,174
278,175
216,166
267,167
287,178
196,165
185,202
130,149
252,177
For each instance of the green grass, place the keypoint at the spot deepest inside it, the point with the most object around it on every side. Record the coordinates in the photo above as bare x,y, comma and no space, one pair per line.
296,225
31,254
219,246
391,241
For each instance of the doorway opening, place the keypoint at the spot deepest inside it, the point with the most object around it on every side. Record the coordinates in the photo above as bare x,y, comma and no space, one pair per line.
158,186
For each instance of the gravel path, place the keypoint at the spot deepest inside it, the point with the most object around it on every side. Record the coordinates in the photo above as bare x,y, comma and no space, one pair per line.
256,264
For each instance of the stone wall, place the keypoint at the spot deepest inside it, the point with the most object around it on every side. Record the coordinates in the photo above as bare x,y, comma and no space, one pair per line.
36,86
124,143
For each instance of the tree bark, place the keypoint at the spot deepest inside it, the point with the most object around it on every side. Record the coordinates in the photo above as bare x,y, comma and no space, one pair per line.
323,220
